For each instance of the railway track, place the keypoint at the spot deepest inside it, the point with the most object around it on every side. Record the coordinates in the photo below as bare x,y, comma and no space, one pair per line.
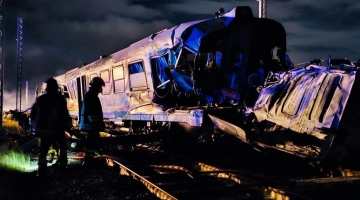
269,185
170,175
177,182
168,180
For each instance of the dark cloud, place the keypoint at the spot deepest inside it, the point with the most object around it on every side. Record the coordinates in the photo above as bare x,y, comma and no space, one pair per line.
58,35
338,16
318,50
61,35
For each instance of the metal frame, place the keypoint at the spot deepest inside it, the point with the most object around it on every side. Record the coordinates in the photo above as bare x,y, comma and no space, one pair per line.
19,49
2,48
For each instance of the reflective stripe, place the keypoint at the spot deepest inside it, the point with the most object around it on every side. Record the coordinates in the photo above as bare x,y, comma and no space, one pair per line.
93,118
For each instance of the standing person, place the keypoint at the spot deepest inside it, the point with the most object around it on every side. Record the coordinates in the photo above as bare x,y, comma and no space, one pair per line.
91,119
51,118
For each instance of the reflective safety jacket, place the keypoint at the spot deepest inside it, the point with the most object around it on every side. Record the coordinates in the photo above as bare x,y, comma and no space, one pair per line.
91,115
49,115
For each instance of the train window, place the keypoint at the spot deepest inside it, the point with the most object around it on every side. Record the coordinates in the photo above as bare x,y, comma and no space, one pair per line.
90,78
66,92
70,90
118,78
137,77
106,77
73,94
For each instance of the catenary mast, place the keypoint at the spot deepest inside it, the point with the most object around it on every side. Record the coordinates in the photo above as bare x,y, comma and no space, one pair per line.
2,47
19,50
26,94
262,8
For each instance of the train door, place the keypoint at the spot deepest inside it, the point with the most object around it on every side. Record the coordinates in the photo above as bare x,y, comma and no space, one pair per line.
161,82
81,90
159,77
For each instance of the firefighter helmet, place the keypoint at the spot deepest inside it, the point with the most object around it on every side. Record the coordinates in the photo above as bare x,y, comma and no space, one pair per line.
97,82
51,84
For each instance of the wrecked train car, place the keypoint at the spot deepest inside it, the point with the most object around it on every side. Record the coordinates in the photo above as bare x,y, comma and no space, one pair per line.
226,74
182,74
311,112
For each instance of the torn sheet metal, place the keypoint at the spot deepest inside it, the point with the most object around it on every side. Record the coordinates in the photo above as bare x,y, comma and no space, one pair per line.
302,114
306,100
229,128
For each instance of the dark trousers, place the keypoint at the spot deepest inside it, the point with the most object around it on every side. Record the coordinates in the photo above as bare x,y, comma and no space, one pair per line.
92,145
58,142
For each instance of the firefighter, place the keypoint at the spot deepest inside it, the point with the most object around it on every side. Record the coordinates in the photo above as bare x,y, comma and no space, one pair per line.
91,119
51,118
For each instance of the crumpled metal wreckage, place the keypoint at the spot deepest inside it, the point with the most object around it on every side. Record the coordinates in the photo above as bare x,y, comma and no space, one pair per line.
311,112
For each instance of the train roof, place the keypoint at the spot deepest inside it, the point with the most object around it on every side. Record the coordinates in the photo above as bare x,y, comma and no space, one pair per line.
188,34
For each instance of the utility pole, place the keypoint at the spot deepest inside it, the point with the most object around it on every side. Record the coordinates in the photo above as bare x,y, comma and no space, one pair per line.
19,49
27,95
262,8
2,48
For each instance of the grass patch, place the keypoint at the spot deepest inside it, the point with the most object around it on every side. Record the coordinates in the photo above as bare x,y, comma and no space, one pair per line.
14,160
11,158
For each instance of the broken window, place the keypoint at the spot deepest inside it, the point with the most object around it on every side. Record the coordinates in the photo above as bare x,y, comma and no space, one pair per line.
158,67
137,77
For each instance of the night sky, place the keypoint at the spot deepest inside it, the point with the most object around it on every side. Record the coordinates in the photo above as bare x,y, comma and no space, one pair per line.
61,35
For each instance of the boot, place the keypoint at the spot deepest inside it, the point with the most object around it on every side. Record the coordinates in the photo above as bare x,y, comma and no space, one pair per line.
42,172
59,167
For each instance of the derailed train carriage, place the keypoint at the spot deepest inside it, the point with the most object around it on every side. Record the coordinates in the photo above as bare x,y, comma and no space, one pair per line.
208,74
310,112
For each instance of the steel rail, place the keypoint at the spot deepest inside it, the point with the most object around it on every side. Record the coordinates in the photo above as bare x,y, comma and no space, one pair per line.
159,192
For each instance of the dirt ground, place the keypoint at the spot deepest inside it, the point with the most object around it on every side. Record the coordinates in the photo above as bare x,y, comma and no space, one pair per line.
76,182
79,183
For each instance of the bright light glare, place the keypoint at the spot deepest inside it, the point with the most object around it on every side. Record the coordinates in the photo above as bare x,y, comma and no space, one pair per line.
23,163
14,160
18,161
